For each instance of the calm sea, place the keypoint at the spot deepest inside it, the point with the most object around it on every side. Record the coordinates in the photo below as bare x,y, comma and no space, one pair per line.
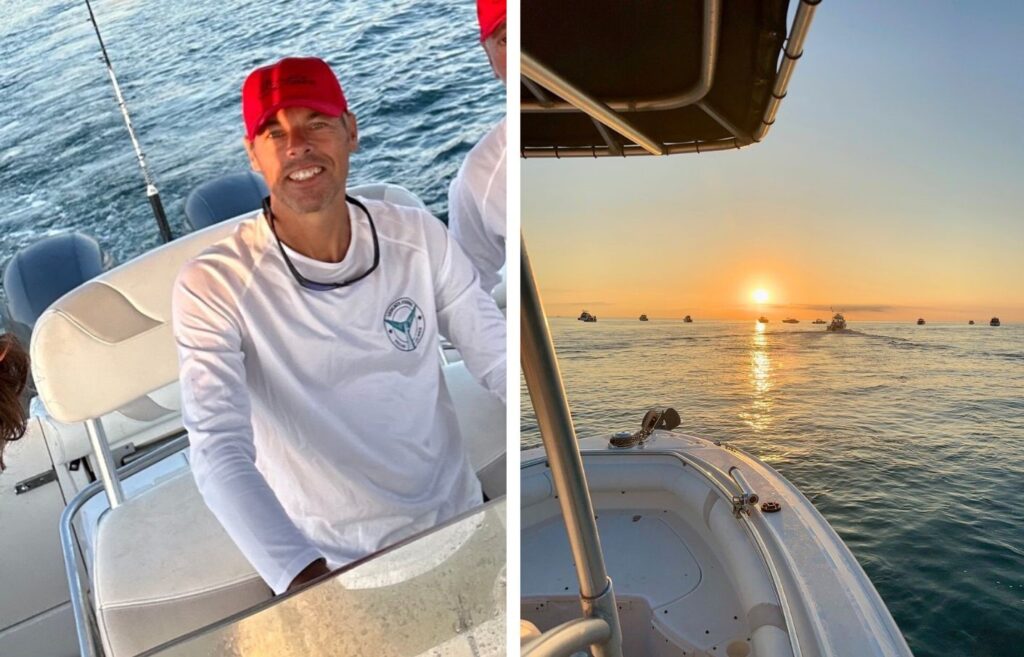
910,441
413,70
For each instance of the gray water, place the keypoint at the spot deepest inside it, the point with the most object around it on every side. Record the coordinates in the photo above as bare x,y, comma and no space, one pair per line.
413,71
909,440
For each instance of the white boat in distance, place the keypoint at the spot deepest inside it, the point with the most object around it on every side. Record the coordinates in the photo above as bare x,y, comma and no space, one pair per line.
672,544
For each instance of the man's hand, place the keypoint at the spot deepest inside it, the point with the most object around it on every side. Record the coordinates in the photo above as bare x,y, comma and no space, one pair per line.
308,574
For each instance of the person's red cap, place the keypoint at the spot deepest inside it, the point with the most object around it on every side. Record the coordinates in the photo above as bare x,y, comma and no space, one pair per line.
291,82
491,14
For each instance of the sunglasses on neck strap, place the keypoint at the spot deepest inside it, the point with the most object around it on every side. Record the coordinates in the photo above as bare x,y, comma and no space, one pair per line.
316,285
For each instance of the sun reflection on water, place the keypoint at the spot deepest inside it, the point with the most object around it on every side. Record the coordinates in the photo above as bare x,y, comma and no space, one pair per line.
759,417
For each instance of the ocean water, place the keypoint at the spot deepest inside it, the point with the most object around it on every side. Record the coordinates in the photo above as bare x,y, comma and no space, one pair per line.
413,71
909,440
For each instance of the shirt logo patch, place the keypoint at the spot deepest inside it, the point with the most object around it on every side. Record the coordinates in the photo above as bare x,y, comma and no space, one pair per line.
404,324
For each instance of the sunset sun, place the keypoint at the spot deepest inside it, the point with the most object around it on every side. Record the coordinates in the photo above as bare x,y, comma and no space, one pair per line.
760,295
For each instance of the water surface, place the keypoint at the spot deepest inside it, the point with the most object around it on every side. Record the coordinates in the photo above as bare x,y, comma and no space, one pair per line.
910,441
413,71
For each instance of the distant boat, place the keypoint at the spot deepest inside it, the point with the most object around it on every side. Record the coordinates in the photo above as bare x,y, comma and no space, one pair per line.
994,322
971,322
587,317
838,323
762,320
920,321
688,319
819,321
790,320
643,318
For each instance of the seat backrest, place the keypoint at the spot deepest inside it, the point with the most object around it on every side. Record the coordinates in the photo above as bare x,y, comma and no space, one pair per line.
41,273
225,197
108,342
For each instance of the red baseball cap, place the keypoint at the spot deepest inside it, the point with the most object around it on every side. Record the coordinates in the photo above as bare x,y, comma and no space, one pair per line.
291,82
491,14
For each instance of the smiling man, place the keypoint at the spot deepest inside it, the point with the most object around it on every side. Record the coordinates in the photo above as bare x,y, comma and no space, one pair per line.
321,429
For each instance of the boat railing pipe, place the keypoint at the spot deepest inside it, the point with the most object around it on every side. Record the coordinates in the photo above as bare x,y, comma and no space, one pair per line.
87,643
568,638
790,54
544,382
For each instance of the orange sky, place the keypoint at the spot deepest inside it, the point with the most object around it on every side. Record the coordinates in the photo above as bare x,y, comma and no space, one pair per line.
878,191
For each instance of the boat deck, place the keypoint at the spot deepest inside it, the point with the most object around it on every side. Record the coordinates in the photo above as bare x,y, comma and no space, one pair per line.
674,594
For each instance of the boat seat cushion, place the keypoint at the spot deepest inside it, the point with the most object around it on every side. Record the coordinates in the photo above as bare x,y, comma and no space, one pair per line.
40,274
164,567
225,197
109,342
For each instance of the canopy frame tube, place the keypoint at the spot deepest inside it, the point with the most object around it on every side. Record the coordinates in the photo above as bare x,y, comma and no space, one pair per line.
597,110
706,78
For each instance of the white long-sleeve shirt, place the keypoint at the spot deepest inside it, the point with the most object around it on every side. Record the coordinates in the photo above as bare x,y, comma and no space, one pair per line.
320,424
476,206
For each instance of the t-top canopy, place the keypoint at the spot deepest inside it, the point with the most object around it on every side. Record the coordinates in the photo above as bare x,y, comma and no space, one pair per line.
606,77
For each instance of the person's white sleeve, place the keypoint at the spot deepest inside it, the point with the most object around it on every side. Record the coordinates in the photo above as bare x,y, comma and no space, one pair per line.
216,413
466,204
466,314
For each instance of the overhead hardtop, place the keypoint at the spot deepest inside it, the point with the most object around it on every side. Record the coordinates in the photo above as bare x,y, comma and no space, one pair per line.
606,77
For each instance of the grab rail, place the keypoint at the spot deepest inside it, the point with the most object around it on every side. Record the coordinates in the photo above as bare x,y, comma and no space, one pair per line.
568,638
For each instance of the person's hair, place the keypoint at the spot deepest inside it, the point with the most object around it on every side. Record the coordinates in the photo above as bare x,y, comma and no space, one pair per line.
13,378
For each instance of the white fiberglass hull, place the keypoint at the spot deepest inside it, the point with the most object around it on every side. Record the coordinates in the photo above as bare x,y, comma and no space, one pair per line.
691,576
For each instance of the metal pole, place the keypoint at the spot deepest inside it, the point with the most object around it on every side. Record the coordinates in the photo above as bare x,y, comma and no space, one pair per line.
78,594
544,381
105,462
151,190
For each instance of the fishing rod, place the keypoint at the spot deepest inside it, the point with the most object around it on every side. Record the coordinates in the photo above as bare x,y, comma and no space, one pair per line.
151,190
